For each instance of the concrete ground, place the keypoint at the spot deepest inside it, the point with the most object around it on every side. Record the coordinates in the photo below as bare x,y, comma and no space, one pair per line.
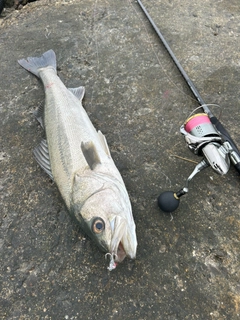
188,264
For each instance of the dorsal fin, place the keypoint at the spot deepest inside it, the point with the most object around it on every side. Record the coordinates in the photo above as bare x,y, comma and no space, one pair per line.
78,92
90,153
104,143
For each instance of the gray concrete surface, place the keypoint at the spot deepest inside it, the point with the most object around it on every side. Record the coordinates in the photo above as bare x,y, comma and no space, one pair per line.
187,265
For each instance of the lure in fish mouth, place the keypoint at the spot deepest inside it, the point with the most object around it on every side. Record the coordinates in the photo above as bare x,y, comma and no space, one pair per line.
78,160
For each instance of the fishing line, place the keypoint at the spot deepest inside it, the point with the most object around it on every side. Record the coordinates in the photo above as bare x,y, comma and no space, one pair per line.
94,33
141,19
208,105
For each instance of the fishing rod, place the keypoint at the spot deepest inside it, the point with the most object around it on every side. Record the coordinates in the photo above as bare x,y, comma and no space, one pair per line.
204,134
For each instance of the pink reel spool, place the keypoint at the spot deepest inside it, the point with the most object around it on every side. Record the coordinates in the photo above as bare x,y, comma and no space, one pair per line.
199,125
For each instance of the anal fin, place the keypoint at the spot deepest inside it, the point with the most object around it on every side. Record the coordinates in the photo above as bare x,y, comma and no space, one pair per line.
42,157
90,154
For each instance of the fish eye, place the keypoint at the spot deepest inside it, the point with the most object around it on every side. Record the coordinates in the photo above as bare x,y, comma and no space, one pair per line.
98,225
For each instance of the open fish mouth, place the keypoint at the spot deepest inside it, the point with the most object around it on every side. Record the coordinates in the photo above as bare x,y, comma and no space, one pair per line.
115,258
119,247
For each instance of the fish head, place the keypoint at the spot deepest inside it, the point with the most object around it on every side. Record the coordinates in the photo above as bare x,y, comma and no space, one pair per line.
105,214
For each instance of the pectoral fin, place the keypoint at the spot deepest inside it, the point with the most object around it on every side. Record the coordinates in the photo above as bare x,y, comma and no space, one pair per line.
42,157
90,153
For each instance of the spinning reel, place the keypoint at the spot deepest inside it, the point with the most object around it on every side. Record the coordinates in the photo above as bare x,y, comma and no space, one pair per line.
204,140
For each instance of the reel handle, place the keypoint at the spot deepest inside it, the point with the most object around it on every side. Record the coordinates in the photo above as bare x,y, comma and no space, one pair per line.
168,201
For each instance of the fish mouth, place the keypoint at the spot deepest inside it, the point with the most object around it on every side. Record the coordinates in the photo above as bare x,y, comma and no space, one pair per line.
123,242
116,258
118,252
120,255
118,228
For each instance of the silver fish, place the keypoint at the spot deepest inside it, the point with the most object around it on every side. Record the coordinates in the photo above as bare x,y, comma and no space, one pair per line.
77,158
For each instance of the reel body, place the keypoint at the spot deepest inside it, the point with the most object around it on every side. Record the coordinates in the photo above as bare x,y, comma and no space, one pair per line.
204,140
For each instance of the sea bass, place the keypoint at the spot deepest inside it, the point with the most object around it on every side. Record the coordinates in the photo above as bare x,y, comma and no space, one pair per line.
78,160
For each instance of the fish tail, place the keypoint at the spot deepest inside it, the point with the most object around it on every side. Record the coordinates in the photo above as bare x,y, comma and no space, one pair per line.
33,64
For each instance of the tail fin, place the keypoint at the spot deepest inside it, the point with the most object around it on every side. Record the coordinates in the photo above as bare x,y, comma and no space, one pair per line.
33,64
